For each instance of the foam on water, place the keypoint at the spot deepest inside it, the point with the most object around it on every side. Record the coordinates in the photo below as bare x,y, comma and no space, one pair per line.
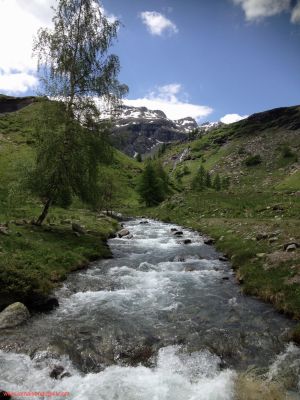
177,376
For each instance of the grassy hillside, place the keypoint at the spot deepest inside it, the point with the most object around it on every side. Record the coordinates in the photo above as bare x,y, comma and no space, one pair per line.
259,214
32,259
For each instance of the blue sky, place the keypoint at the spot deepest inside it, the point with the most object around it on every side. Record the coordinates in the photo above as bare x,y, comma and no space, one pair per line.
204,58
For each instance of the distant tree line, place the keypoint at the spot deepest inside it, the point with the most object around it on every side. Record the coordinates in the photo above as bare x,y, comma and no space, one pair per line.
203,180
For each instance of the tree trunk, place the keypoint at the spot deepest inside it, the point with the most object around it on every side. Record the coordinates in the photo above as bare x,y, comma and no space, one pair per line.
41,218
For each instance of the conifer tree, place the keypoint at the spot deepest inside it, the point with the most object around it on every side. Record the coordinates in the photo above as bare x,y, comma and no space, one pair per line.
199,180
217,183
208,180
151,187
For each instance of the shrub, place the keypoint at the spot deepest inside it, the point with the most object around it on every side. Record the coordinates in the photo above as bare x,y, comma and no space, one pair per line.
253,160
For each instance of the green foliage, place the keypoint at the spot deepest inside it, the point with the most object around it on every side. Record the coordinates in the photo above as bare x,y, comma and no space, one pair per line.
162,150
217,183
253,160
153,184
199,180
67,159
139,157
208,179
74,67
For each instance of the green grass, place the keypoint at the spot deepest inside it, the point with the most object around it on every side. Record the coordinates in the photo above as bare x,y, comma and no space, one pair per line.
33,260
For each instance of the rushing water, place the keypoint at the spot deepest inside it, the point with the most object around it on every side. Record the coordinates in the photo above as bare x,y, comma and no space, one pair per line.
162,320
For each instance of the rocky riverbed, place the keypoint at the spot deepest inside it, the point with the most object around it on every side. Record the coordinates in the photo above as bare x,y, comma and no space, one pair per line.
164,319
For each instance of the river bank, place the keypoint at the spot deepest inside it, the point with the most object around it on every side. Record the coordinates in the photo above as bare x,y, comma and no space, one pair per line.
256,247
34,260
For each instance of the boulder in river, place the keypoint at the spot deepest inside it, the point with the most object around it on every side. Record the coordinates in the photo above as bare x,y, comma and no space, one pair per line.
209,241
187,241
57,371
178,233
14,315
223,258
41,303
123,232
144,222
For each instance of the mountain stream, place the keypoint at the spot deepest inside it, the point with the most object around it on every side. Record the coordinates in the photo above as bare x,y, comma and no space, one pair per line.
161,320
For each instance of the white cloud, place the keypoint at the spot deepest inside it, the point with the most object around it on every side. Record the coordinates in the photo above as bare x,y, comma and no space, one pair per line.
259,9
166,98
17,82
231,118
19,22
295,17
157,23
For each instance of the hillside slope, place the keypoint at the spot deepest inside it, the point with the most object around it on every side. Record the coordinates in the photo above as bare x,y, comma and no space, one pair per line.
256,218
32,259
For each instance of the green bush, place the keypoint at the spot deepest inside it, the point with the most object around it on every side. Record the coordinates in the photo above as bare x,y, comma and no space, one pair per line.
253,160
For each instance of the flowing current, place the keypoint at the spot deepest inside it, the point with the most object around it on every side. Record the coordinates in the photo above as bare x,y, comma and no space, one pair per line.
161,320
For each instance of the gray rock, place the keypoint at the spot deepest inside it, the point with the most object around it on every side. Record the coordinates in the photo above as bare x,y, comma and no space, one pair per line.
4,230
57,372
209,241
178,233
78,228
123,232
291,247
294,244
261,236
13,315
223,258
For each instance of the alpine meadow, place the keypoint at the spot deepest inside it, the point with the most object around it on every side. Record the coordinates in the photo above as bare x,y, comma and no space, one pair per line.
149,230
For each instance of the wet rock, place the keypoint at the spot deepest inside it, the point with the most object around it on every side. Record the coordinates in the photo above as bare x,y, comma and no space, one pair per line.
139,355
112,235
57,372
179,258
209,241
187,241
178,233
174,229
130,236
14,315
189,268
291,247
65,375
225,278
4,395
223,258
40,303
144,222
123,232
78,228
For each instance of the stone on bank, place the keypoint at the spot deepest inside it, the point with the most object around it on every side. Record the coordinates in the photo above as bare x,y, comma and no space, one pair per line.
14,315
